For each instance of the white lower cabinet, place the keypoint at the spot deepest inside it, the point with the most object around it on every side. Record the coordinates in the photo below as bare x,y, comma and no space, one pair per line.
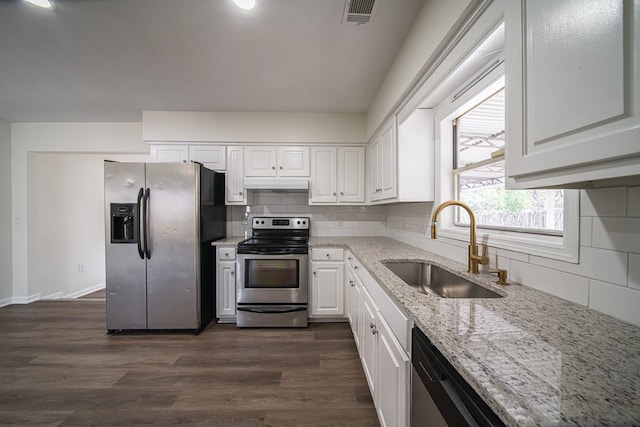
327,283
394,372
380,329
226,285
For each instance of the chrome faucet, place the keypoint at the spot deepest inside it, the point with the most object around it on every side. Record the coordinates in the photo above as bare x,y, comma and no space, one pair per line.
473,257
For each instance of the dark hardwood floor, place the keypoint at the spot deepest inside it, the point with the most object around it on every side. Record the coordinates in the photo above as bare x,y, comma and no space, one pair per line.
59,368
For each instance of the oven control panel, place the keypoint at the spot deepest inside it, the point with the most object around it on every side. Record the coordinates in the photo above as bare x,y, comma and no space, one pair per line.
280,223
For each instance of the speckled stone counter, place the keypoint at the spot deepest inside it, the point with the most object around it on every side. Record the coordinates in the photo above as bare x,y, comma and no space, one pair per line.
534,358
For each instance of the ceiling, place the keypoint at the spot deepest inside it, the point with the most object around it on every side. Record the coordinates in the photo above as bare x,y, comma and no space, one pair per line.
108,60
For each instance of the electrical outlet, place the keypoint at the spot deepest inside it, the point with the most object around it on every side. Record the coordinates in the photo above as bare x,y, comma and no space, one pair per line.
339,222
80,268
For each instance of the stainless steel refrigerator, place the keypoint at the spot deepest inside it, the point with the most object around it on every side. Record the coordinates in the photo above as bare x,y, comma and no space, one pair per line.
160,265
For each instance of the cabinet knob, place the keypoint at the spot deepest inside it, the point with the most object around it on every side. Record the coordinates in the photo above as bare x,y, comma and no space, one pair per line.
315,273
240,193
273,167
226,254
351,283
355,267
328,255
342,193
233,273
334,194
281,167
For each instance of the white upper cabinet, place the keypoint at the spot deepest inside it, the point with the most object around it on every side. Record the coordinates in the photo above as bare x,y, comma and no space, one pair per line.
323,184
275,161
337,175
573,94
383,163
260,161
178,153
211,156
401,160
351,174
235,193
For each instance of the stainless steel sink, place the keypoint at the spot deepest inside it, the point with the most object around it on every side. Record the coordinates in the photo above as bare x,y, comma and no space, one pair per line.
431,279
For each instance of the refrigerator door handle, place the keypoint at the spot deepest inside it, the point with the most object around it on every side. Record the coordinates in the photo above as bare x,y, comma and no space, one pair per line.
140,232
145,223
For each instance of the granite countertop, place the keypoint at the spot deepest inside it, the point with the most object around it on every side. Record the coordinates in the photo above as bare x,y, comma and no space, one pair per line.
534,358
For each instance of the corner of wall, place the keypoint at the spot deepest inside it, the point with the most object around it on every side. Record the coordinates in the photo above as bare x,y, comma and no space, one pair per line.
6,290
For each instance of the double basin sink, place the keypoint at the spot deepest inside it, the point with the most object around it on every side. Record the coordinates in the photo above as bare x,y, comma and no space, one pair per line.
431,279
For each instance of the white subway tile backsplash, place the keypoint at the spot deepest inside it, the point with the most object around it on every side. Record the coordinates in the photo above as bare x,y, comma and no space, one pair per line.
633,202
564,285
604,202
586,225
595,263
619,234
634,271
617,301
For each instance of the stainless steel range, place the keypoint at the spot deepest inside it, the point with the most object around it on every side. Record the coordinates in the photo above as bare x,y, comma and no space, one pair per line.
272,279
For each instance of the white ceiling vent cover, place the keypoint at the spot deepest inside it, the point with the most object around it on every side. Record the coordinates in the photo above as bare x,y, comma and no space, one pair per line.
358,11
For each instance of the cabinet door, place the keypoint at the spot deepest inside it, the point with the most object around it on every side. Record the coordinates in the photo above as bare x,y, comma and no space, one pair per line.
260,161
573,91
293,161
226,289
351,174
374,170
327,289
393,375
387,161
235,193
170,153
211,156
355,303
323,175
368,341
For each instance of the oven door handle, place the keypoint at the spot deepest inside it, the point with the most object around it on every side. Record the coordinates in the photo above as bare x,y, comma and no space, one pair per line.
266,310
267,251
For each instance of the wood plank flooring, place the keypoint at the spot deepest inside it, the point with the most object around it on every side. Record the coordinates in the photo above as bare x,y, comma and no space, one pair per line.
59,368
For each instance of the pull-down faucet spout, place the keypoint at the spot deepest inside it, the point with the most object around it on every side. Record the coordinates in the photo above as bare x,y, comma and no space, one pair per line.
473,257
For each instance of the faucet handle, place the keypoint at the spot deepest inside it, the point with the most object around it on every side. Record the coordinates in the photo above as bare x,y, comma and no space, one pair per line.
484,259
502,276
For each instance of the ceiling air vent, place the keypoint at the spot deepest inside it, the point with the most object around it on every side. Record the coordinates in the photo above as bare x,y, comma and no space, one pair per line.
358,11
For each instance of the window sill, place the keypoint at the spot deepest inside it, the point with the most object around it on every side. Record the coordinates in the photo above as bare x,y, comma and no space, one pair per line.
562,248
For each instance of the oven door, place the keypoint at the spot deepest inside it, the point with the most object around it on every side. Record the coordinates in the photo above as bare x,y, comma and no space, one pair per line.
272,279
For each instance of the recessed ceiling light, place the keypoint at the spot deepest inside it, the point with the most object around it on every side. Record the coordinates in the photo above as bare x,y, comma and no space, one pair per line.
245,4
41,3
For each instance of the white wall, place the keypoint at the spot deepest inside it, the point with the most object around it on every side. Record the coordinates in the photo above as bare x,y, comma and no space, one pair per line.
607,278
5,213
436,19
66,224
312,128
105,138
325,220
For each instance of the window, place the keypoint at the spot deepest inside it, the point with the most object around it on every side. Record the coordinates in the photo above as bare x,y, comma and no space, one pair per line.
479,175
471,130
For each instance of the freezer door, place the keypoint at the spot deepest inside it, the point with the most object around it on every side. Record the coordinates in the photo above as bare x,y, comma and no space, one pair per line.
173,269
125,270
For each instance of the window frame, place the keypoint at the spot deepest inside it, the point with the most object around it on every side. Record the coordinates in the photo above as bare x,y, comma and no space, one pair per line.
563,248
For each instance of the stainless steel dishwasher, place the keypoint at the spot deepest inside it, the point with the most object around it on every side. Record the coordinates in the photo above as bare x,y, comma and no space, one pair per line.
440,397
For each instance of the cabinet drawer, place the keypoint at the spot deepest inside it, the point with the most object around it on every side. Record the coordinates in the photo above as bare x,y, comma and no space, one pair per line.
225,254
327,254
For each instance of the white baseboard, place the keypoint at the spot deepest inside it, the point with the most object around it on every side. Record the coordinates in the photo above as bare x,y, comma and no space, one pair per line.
56,295
85,291
25,300
5,302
